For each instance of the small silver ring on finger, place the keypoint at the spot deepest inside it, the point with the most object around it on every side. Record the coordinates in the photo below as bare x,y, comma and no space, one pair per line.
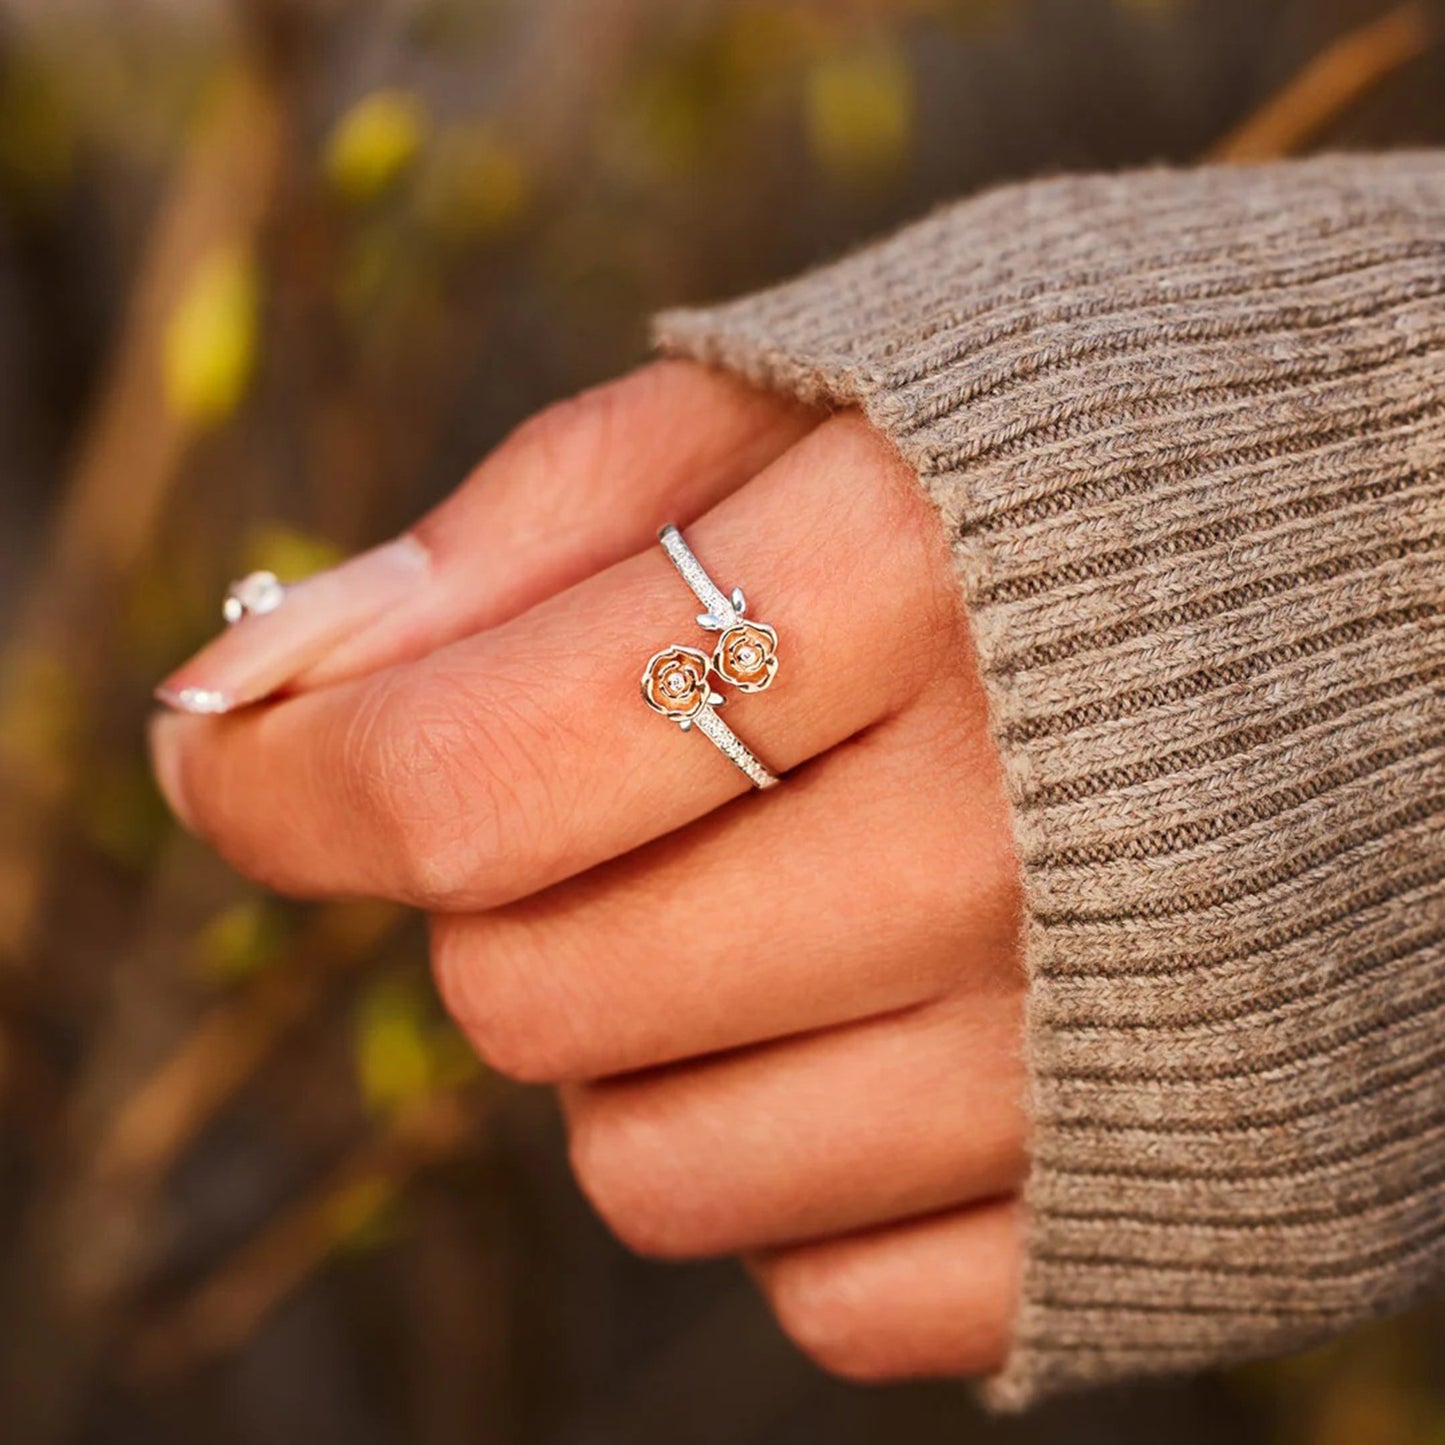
253,596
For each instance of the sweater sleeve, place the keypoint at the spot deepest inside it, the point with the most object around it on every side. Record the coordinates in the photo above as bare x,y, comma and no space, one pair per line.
1186,433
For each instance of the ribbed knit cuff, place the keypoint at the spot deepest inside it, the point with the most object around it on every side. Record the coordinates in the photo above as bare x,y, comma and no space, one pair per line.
1186,432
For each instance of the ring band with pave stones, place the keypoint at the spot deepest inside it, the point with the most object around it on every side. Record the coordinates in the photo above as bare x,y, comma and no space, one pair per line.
678,680
746,654
677,685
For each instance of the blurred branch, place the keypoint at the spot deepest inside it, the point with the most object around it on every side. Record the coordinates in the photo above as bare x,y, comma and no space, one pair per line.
166,1113
1327,86
578,49
126,468
163,1115
30,1092
224,1312
170,1109
132,448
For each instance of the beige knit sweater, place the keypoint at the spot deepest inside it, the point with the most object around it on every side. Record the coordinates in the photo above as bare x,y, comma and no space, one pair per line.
1186,431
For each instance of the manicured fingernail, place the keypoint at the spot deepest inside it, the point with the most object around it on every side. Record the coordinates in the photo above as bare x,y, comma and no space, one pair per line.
166,763
260,654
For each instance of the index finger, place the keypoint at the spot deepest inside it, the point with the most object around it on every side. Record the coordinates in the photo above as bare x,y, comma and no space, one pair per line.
673,435
500,764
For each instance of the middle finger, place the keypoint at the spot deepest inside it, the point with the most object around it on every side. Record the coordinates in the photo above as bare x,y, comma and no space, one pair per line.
868,887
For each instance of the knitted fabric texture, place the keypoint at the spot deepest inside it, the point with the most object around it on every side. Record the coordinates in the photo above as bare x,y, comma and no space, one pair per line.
1186,432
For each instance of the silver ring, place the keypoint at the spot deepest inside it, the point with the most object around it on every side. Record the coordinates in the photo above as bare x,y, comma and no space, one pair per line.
675,684
253,596
746,654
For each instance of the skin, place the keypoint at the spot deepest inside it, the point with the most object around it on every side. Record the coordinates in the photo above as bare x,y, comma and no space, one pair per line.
785,1026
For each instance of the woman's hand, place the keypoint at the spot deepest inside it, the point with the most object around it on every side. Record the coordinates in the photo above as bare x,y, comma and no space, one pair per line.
785,1025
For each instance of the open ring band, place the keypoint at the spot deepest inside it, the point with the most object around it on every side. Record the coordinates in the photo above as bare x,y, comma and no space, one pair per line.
676,685
746,654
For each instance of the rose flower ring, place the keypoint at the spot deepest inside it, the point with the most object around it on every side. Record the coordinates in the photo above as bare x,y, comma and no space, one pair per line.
746,654
676,681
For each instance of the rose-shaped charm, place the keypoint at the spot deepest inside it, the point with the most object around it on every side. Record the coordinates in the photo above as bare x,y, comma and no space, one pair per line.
747,656
676,683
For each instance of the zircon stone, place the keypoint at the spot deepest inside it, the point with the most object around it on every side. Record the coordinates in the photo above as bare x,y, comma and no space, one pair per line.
253,596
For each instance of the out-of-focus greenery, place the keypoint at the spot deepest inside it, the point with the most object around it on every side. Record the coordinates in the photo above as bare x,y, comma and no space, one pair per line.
375,143
273,275
405,1051
211,338
858,109
239,941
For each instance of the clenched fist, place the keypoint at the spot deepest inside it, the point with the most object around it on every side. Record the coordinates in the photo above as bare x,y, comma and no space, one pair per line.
784,1024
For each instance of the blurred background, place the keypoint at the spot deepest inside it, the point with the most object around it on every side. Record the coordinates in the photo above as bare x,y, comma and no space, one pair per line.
273,275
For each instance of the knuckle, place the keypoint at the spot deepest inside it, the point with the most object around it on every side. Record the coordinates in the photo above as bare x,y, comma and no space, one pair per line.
522,1053
511,1034
818,1304
457,954
914,599
224,809
415,765
621,1160
576,433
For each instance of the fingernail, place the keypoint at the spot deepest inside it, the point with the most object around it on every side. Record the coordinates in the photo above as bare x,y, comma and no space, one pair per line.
165,751
260,654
